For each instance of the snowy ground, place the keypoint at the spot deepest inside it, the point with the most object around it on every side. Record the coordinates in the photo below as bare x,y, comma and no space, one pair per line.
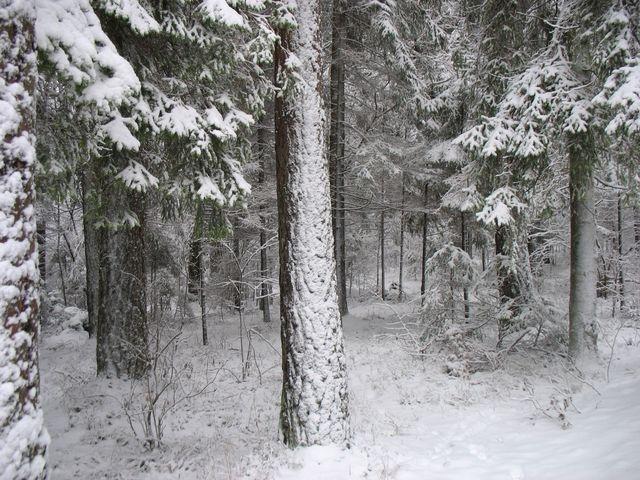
410,420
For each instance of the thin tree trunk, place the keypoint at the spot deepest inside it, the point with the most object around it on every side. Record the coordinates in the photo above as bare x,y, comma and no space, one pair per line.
90,251
582,283
464,247
23,437
41,229
61,263
314,391
264,254
336,151
620,254
636,228
423,282
401,266
508,290
382,267
238,288
194,267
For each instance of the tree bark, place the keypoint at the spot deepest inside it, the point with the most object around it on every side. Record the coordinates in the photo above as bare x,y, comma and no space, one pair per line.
41,227
122,330
264,254
582,283
194,267
90,250
382,266
508,289
336,150
401,265
314,391
423,280
464,248
23,437
620,253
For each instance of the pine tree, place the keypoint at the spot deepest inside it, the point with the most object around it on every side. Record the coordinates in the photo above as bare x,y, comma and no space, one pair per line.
23,438
314,391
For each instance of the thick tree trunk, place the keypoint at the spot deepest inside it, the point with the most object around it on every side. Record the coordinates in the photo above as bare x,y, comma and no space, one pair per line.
122,329
314,390
582,284
423,280
23,438
336,151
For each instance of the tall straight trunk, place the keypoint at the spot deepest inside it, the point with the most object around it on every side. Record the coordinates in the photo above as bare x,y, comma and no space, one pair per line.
122,330
636,228
23,437
264,254
508,288
194,266
382,266
401,265
620,253
41,233
238,287
423,280
464,247
582,283
336,150
314,389
90,250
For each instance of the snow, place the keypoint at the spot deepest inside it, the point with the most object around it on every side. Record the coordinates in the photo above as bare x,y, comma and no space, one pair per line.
23,439
130,10
69,33
410,420
220,11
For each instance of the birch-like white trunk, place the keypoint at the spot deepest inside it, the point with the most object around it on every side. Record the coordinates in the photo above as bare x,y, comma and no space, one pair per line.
314,390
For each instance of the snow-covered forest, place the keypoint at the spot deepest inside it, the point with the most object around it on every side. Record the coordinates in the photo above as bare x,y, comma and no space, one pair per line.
319,239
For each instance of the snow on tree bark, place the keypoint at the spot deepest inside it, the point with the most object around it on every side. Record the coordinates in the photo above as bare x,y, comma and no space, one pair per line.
23,438
314,392
582,283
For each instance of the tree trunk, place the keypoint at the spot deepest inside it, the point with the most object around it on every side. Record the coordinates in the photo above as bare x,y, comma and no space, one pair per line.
464,248
582,283
122,329
41,230
336,151
264,254
401,265
620,254
382,267
508,290
423,281
90,250
23,437
194,267
314,390
636,228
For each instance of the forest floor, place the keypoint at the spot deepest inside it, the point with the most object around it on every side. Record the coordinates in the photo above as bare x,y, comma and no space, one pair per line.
531,418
